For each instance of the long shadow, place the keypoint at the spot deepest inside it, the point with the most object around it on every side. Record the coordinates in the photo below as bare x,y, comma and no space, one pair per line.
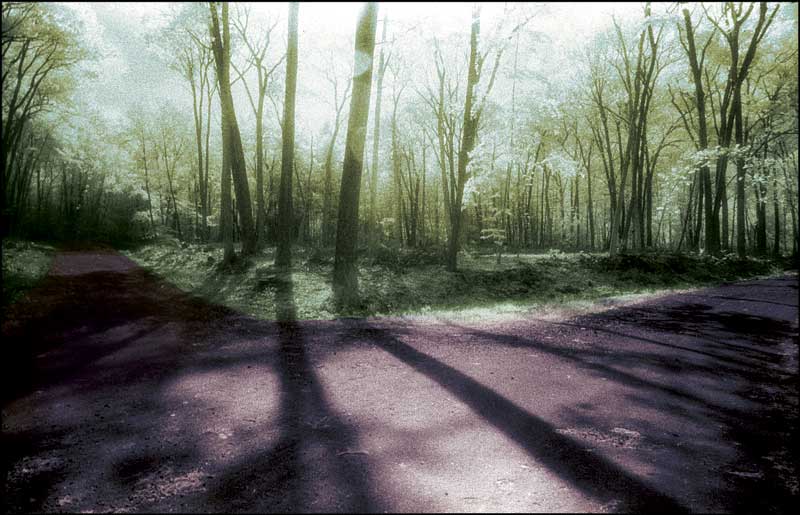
48,321
731,364
303,470
119,342
762,431
83,318
770,383
738,340
593,325
676,319
591,473
594,360
76,320
743,299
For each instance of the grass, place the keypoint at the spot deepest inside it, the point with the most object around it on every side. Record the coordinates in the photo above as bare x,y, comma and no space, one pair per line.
410,283
25,263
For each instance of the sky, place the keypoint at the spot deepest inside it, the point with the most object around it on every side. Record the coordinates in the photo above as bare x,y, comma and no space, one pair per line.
129,72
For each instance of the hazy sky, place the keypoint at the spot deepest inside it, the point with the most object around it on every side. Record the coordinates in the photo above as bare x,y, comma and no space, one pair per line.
130,72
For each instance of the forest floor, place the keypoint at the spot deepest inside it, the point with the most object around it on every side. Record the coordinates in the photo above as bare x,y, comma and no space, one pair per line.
412,283
123,393
25,263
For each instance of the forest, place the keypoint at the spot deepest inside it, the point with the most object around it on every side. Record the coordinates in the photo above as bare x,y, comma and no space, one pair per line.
399,257
667,128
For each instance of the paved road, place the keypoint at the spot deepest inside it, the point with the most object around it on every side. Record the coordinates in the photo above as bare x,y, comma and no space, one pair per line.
121,393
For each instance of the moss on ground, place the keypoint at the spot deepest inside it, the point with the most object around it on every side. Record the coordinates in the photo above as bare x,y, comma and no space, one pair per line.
25,263
406,282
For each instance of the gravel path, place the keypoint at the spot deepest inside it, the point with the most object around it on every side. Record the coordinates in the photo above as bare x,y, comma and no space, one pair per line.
123,394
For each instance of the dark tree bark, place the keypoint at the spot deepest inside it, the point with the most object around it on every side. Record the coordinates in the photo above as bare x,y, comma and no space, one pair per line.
221,45
396,171
283,253
328,216
776,247
469,134
696,66
376,133
257,49
731,110
345,272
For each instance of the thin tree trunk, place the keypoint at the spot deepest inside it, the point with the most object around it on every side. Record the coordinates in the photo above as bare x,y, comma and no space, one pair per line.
222,50
776,247
376,134
147,186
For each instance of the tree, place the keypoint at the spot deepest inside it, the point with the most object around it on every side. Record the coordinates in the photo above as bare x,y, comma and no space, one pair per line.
473,109
398,85
730,111
257,49
637,71
232,140
189,53
697,69
283,253
139,129
39,45
345,273
328,229
383,61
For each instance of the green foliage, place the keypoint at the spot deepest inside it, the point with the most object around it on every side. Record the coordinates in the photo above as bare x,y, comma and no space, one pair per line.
25,263
675,269
394,282
400,259
79,168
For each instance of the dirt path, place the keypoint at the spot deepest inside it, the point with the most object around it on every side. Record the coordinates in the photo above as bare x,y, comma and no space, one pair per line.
122,393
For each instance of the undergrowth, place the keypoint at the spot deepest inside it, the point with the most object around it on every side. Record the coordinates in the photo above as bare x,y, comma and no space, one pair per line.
25,263
394,282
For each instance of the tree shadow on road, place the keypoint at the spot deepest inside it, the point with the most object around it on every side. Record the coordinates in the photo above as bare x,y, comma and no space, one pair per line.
749,359
124,380
42,322
308,468
720,372
596,476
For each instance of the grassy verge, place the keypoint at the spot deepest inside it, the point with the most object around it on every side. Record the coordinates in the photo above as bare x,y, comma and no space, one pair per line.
25,263
403,283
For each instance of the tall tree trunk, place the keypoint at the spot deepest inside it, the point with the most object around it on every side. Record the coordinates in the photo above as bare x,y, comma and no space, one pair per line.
147,186
345,271
376,134
396,179
776,247
696,66
577,213
197,110
616,219
422,208
469,134
207,188
741,232
699,228
724,231
225,208
648,191
327,198
222,53
761,221
791,197
283,253
590,206
260,210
